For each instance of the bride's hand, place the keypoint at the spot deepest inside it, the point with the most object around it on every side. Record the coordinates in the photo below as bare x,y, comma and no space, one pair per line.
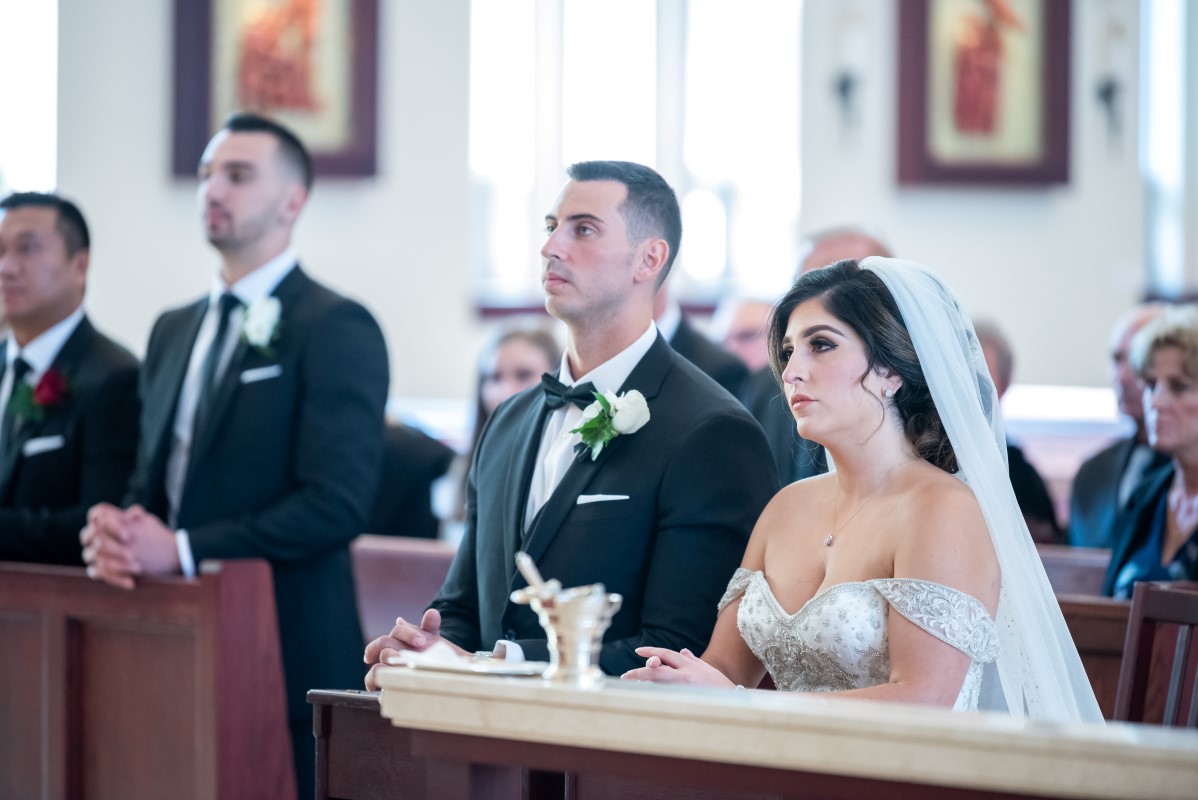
667,666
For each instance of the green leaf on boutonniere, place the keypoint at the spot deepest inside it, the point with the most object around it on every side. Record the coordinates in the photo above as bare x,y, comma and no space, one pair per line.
608,417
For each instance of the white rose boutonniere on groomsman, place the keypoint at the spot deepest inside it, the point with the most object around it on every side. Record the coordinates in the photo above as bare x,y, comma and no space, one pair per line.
261,327
608,417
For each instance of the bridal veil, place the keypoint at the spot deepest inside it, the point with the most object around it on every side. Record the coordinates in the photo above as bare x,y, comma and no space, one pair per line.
1038,673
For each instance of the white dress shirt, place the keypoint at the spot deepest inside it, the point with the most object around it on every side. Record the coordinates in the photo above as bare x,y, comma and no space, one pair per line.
556,452
253,287
39,354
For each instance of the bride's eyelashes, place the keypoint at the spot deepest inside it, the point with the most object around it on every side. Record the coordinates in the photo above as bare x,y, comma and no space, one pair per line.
820,345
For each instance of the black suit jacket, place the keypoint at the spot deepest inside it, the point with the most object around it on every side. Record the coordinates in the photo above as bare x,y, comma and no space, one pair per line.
794,457
725,369
89,442
1093,506
697,476
285,467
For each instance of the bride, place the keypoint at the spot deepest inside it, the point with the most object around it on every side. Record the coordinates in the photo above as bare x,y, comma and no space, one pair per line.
907,574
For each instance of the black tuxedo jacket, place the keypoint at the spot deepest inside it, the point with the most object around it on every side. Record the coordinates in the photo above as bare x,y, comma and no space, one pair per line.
1094,503
795,457
696,476
285,467
725,369
76,455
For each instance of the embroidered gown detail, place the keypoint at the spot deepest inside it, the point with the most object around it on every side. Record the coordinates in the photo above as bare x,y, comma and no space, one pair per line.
838,639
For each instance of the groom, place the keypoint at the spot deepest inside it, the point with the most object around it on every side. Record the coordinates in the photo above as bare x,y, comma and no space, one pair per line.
663,513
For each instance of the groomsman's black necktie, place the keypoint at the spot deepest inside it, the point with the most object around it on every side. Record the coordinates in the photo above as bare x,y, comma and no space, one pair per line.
227,303
20,368
557,394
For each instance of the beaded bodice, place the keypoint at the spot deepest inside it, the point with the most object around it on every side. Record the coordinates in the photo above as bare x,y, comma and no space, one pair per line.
838,639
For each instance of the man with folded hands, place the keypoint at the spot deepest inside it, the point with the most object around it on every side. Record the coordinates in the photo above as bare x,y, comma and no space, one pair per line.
262,427
68,394
652,492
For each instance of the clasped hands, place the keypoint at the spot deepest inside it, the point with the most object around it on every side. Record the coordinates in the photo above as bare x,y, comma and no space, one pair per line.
118,545
669,666
405,636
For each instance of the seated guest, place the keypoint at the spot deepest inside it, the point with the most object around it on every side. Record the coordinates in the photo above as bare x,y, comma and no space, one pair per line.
69,393
739,326
1029,487
1104,482
1156,536
654,497
262,423
795,457
883,580
512,361
723,367
412,462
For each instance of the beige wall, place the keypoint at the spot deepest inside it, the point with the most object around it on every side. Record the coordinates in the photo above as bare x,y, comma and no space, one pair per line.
1054,266
397,242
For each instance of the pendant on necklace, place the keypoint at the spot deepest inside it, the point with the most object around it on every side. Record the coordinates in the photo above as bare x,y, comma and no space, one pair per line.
828,540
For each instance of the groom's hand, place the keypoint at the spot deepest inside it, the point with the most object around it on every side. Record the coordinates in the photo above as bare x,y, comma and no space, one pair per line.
405,636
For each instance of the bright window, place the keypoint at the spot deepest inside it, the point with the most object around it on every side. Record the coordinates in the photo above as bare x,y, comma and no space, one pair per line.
704,91
28,95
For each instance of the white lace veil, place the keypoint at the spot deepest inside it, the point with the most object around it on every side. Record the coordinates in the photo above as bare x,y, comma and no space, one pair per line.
1038,672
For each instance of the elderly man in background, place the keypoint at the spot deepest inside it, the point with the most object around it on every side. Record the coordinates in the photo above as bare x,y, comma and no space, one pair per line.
739,326
1104,482
68,393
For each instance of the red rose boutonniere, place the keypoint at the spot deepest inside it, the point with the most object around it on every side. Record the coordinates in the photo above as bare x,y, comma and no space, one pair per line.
32,402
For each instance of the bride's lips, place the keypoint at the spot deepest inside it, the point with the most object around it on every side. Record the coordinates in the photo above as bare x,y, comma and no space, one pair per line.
798,401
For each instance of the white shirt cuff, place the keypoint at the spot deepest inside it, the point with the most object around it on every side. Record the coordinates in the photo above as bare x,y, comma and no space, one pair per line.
512,652
187,562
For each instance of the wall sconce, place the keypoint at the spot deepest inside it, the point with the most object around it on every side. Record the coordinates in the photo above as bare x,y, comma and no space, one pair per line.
1109,89
850,49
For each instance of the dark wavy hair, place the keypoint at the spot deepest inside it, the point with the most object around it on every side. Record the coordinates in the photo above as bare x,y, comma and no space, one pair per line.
860,299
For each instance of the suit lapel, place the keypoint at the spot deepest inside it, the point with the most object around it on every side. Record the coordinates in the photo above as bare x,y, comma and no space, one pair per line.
67,363
288,293
524,458
647,377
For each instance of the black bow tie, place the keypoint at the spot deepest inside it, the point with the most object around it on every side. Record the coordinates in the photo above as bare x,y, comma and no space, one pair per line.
557,394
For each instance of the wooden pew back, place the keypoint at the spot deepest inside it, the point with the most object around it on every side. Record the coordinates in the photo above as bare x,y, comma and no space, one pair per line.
1074,570
174,689
395,576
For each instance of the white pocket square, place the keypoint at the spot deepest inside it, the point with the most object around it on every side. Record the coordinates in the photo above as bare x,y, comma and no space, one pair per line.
261,373
583,499
42,444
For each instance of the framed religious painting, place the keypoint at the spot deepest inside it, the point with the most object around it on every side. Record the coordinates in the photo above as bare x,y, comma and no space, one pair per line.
983,92
310,64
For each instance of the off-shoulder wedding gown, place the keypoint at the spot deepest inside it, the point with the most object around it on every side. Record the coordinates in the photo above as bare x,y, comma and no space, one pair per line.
838,639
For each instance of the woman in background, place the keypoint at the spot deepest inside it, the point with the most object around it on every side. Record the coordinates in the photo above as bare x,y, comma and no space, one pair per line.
1156,537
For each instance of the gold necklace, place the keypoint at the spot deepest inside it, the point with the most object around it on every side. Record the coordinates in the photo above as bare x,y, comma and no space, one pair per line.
835,508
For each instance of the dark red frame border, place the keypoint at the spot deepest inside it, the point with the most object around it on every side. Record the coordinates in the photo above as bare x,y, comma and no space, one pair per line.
915,163
193,95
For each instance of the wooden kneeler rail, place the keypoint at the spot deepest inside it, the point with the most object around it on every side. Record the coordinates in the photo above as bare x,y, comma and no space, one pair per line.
174,689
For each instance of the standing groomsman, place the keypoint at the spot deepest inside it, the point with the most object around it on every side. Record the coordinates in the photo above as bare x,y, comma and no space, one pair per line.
656,502
68,394
262,426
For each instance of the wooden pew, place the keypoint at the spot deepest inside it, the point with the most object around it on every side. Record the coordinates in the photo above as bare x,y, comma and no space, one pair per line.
1099,627
1074,570
172,690
396,576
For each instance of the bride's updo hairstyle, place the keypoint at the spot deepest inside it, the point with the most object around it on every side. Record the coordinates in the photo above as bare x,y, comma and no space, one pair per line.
860,299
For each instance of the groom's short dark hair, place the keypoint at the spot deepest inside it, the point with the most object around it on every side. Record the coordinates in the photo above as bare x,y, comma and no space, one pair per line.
71,224
292,148
651,208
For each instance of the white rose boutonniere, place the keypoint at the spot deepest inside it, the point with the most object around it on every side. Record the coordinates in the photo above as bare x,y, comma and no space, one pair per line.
611,415
261,327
